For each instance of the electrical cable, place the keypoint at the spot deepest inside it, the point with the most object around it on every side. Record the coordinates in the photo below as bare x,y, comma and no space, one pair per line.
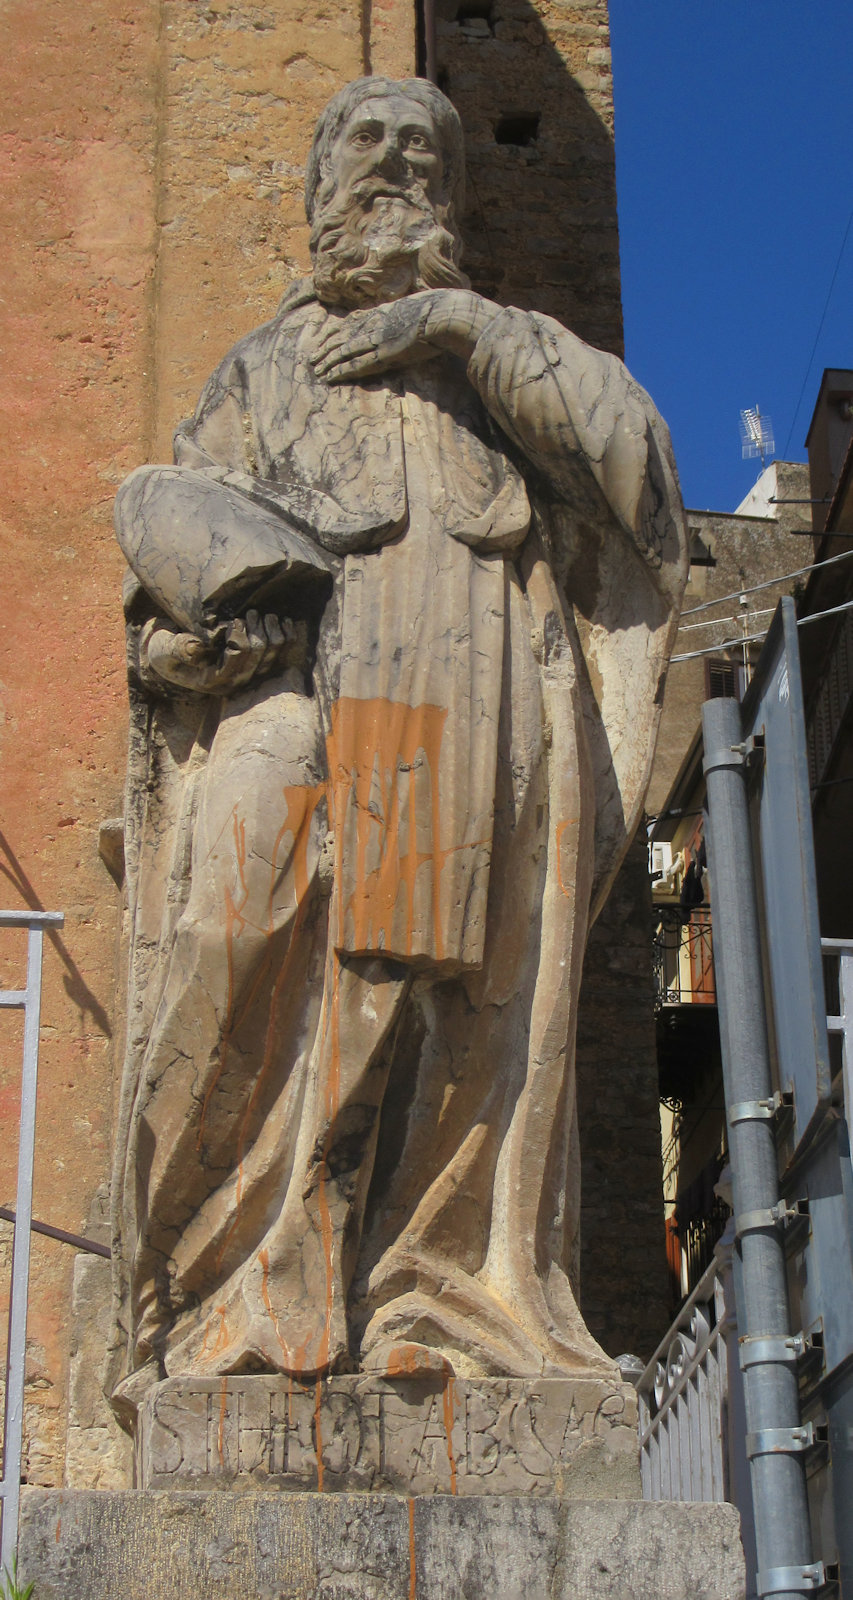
769,582
819,332
752,638
719,622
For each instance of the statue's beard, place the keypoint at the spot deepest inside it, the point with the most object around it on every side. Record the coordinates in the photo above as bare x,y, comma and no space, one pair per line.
379,243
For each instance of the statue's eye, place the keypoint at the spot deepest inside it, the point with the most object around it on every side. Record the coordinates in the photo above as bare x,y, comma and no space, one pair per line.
363,139
419,141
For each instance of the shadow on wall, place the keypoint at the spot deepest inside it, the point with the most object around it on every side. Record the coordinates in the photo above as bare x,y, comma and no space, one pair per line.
540,223
76,988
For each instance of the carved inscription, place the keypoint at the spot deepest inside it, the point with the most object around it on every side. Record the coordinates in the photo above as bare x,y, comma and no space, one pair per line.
414,1435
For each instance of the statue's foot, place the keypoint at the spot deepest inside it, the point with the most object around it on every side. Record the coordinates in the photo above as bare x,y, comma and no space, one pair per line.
405,1359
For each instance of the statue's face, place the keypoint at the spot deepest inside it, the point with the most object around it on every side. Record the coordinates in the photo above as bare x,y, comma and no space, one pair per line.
390,140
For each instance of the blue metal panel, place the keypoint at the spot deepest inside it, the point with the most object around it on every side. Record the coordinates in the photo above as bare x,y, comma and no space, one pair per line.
781,809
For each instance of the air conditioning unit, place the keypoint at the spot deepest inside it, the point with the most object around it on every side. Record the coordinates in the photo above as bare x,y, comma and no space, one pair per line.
660,859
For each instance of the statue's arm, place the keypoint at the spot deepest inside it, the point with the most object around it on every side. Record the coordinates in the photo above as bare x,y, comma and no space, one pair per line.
157,513
577,415
574,412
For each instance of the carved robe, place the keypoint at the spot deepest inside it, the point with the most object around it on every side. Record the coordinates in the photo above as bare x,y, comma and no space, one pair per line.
360,904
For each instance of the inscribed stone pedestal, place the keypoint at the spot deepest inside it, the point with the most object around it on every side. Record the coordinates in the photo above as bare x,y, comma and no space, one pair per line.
409,1436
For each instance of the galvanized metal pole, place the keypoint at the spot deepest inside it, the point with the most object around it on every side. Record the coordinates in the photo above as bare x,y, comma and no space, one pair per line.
775,1440
13,1412
16,1371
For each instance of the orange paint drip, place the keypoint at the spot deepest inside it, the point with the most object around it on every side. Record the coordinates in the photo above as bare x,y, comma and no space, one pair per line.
233,918
221,1335
374,749
302,801
264,1258
448,1398
413,1569
318,1437
402,1362
301,805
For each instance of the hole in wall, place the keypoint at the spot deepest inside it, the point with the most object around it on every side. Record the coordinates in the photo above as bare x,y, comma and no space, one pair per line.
476,17
519,130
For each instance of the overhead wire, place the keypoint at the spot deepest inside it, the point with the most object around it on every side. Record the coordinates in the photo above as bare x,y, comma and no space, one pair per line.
819,331
752,638
769,583
720,622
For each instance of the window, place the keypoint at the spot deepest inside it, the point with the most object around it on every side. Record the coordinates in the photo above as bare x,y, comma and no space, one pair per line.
724,679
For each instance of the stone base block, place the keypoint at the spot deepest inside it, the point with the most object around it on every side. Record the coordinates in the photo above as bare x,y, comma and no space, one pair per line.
85,1545
411,1435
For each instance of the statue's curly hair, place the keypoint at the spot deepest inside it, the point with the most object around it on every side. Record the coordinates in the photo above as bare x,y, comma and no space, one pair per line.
425,94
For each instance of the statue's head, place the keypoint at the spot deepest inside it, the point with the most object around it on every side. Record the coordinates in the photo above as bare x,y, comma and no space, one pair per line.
384,184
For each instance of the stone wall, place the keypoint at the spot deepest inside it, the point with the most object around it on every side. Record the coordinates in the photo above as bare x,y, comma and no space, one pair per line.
744,550
79,91
152,214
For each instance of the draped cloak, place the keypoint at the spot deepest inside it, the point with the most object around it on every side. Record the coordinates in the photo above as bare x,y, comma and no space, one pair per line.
358,913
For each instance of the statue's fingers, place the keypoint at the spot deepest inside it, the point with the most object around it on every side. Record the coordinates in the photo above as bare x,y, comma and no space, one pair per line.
273,630
349,350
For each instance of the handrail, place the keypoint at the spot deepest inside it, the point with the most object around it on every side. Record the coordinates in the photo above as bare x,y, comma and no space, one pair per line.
29,1001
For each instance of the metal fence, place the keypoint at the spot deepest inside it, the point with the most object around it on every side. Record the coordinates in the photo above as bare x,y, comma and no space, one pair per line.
682,1400
27,1000
691,1401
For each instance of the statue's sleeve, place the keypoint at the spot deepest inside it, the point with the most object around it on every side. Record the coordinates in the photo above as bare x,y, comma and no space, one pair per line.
220,436
611,510
582,422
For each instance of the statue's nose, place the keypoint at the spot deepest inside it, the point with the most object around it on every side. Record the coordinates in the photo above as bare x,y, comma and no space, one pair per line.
392,162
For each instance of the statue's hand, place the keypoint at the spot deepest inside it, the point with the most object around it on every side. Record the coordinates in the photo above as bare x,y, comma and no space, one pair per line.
416,328
248,648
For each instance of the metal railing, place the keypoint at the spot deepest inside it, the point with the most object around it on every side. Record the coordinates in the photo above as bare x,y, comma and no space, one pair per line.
691,1401
691,1406
682,957
681,1401
27,1000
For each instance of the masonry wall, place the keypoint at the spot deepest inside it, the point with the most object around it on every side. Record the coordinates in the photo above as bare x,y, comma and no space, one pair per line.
744,551
152,170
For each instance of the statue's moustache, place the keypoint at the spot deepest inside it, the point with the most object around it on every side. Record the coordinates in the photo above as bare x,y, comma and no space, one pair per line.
364,190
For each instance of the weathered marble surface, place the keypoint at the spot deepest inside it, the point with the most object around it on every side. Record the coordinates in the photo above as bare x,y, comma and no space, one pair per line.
410,1436
367,828
193,1546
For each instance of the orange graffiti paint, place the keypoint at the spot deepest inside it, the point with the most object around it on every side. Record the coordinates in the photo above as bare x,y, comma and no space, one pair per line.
375,750
233,918
264,1258
301,804
449,1398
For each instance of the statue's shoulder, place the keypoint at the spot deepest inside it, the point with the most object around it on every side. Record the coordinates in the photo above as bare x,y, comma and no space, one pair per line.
298,307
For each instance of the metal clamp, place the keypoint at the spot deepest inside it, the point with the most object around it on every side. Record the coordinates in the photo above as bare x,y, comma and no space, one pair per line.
782,1212
784,1349
756,1110
781,1441
782,1580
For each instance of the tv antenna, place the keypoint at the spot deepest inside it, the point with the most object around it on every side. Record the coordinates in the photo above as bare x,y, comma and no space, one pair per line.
756,435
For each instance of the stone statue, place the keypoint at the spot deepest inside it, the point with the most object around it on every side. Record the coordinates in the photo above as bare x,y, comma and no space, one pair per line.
399,620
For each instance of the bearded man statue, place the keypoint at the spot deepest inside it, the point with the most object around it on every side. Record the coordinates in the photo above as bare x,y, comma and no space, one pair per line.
399,618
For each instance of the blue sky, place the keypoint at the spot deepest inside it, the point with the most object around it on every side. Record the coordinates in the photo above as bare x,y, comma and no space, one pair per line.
734,133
